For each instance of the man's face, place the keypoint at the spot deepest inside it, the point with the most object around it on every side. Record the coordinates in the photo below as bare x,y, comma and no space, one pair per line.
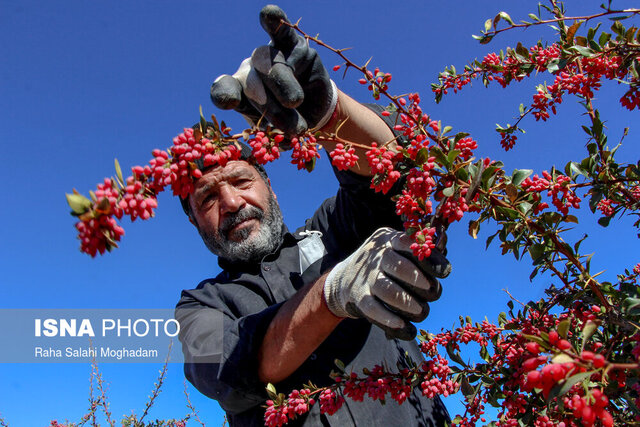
236,212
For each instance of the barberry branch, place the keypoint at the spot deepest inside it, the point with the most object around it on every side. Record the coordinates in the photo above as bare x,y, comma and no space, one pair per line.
157,385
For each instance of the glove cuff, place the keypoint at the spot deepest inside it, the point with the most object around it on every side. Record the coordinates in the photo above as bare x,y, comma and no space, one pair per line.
333,103
331,292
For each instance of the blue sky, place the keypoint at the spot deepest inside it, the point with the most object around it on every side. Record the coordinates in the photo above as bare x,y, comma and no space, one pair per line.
82,83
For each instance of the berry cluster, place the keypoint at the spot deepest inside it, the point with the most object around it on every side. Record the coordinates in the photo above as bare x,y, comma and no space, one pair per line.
508,140
562,196
376,81
381,161
466,146
265,150
343,158
297,403
330,401
305,152
98,235
136,196
578,75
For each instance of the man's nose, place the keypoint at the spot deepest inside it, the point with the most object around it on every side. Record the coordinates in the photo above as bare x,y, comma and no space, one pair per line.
230,200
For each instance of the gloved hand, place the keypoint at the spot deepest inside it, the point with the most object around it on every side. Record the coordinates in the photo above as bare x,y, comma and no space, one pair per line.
284,80
383,282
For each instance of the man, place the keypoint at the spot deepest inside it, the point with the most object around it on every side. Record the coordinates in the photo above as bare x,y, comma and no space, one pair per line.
288,304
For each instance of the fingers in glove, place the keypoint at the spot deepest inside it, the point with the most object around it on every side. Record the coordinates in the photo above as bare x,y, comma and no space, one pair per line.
286,119
399,300
406,334
295,49
283,37
320,86
376,313
436,264
411,278
277,76
227,92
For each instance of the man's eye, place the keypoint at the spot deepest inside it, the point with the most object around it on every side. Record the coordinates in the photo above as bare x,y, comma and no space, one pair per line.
243,183
208,199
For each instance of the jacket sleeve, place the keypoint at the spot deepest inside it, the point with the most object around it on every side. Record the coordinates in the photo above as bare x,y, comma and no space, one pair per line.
220,352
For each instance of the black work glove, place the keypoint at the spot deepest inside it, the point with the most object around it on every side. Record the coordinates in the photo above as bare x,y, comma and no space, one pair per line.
284,80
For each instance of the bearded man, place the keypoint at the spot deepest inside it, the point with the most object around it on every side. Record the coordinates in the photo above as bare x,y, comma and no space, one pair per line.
344,286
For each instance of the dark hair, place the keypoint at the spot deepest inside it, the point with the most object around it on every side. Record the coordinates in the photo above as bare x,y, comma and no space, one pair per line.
245,154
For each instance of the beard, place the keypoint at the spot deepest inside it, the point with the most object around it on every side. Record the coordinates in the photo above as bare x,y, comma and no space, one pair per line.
247,248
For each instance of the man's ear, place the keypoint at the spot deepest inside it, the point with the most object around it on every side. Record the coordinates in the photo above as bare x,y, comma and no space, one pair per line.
190,215
270,188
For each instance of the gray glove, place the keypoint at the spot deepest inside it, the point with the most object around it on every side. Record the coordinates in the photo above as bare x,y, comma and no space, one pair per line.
284,80
383,282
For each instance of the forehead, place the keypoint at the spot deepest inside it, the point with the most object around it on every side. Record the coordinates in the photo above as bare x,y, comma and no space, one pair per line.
215,175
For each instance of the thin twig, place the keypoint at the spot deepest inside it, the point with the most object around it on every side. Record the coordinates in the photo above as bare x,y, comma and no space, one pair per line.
190,405
562,19
514,298
156,391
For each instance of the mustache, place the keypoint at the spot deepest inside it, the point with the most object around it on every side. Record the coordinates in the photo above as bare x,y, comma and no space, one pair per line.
249,212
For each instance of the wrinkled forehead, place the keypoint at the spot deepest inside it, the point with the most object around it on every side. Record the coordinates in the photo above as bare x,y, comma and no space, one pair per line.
215,175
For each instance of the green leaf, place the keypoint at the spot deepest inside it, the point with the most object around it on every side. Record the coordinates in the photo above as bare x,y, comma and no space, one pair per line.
454,355
618,28
502,318
537,339
453,154
508,212
460,135
474,227
587,331
553,66
448,191
524,207
203,122
561,358
310,165
422,156
604,221
484,353
118,171
571,218
339,364
466,388
562,388
486,39
462,174
536,251
490,239
78,203
631,306
573,169
584,51
534,273
563,328
523,51
604,38
440,157
487,25
271,391
506,17
520,175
